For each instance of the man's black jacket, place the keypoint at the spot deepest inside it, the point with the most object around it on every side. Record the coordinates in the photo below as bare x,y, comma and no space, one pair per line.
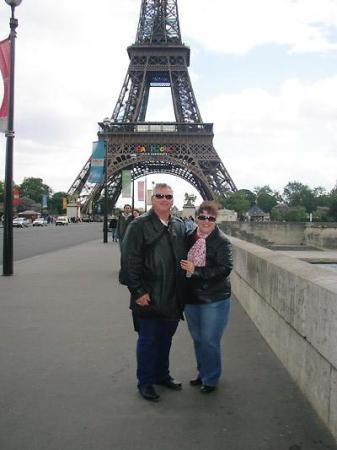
150,263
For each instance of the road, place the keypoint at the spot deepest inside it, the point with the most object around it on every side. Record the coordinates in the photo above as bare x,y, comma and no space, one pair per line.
34,241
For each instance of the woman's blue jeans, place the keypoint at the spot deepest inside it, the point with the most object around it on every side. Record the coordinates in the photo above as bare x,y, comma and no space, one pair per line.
206,324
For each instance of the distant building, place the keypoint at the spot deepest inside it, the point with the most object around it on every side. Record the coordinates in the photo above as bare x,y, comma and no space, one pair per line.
255,214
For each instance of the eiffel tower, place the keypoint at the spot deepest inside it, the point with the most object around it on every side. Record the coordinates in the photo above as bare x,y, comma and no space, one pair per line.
183,148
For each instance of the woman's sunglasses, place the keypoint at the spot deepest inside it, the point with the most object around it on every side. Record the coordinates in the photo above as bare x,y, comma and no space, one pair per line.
167,196
209,218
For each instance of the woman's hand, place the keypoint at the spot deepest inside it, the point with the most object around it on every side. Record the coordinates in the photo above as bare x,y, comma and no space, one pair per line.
144,300
187,265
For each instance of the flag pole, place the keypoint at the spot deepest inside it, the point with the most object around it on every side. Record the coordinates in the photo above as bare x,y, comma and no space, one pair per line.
8,200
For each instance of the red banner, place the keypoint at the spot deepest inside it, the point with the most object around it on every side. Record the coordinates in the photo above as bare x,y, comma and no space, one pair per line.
141,191
4,68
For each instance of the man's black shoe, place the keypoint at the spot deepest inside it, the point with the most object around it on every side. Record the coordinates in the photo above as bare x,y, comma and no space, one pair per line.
170,383
207,389
148,392
196,382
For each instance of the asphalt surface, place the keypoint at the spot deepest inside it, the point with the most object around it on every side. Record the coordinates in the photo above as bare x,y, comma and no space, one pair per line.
67,378
33,241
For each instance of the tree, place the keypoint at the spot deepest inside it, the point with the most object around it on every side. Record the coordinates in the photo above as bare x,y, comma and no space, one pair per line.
266,189
266,202
238,202
27,203
266,198
248,195
296,214
56,203
298,194
34,188
333,203
2,191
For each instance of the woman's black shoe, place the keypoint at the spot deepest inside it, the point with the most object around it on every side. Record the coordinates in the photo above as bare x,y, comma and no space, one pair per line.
196,382
207,389
148,392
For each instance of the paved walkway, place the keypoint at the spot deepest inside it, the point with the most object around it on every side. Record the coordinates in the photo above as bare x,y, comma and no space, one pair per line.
67,372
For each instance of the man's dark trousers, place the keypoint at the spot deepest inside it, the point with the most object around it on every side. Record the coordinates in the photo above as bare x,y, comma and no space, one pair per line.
153,349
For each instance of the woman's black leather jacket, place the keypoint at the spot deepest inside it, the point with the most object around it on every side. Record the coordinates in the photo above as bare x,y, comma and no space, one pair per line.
211,283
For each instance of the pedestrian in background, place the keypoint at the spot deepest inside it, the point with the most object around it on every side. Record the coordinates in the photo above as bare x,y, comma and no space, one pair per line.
123,221
208,265
113,228
151,251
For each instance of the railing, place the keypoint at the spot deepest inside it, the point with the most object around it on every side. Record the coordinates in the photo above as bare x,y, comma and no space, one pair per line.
156,127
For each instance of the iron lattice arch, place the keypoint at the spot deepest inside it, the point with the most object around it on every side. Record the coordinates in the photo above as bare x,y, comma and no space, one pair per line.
183,148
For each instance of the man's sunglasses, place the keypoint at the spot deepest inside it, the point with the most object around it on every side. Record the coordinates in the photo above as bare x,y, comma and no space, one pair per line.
209,218
161,196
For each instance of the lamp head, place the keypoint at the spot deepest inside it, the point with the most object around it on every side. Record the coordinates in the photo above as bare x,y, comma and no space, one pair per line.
13,3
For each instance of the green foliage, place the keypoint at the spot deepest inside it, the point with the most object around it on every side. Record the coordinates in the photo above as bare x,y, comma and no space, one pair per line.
296,214
2,191
248,195
56,203
298,194
266,202
277,214
221,200
238,202
34,189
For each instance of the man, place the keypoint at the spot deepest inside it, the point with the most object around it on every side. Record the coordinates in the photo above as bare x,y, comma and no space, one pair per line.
150,267
123,221
113,228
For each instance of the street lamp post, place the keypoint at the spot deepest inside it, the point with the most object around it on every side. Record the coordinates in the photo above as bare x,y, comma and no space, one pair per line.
105,223
106,123
8,200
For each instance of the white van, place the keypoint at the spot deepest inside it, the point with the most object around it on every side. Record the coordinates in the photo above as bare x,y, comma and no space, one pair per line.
61,220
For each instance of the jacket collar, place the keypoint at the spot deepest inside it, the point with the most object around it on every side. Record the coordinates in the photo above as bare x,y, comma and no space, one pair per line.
211,236
157,224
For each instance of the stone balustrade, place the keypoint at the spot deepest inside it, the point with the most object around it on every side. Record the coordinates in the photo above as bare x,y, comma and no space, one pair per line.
294,306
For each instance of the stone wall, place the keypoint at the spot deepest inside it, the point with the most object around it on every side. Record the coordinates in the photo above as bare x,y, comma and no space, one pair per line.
294,306
321,235
267,233
315,234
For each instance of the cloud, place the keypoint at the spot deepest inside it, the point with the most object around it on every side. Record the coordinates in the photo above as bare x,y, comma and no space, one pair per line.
278,137
71,63
237,27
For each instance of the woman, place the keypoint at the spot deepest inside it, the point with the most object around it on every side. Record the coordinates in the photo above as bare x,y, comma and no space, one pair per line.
208,265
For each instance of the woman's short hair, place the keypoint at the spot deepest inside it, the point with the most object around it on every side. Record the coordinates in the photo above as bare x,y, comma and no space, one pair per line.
210,207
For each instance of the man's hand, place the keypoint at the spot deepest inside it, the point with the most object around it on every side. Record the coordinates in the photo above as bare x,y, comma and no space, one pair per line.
144,300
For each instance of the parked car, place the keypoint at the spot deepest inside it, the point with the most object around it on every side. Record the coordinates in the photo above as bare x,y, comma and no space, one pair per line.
61,220
21,222
40,222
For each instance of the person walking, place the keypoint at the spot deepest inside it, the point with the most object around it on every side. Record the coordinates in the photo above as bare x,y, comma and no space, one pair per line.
208,265
152,249
113,228
123,221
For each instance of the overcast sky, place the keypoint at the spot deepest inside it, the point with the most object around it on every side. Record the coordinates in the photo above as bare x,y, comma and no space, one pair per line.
264,72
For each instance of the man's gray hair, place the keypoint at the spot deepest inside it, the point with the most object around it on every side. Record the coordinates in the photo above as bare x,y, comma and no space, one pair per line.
162,186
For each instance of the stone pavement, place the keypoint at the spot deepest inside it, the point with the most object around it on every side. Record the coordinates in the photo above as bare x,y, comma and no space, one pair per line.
67,368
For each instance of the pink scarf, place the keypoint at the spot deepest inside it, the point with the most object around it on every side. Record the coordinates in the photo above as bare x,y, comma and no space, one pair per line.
197,253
